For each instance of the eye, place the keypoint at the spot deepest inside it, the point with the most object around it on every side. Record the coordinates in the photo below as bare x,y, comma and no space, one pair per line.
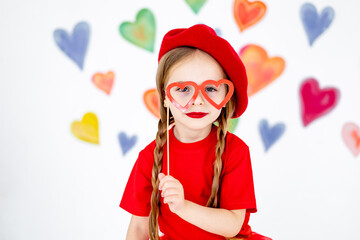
210,89
186,89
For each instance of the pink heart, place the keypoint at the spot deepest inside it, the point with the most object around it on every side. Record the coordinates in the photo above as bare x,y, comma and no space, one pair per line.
351,136
316,102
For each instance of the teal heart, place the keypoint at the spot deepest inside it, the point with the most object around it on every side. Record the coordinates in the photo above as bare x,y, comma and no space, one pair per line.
142,31
195,5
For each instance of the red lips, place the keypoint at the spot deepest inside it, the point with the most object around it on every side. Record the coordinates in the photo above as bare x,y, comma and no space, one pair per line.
196,114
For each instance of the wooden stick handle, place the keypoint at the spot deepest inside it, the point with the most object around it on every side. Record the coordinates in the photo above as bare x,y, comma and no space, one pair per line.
167,139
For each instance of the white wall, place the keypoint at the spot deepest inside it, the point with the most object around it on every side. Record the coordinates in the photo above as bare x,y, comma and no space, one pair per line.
55,186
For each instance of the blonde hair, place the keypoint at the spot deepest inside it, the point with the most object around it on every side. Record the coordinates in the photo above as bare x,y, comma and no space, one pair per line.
167,61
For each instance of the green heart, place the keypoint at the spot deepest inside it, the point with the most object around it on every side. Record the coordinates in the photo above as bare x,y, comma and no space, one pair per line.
195,5
232,124
142,32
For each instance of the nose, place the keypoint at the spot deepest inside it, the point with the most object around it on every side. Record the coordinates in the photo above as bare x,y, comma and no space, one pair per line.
199,100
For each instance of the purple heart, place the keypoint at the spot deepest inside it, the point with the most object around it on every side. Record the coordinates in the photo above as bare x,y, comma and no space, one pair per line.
75,45
314,24
270,135
126,142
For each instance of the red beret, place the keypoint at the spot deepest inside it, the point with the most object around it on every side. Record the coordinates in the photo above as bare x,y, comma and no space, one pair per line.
205,38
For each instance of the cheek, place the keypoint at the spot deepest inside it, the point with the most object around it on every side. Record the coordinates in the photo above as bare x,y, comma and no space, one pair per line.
174,110
217,112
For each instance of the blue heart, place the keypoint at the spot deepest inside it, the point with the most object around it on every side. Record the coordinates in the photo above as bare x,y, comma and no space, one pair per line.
270,135
218,31
126,143
314,24
74,46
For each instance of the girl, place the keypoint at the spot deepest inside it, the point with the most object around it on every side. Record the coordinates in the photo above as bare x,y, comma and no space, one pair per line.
206,190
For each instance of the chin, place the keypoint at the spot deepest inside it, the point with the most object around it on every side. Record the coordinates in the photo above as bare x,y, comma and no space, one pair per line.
198,124
195,123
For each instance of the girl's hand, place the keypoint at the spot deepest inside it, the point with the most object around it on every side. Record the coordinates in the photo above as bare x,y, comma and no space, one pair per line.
172,191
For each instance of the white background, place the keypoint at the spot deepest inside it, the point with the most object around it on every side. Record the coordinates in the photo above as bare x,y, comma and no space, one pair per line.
54,186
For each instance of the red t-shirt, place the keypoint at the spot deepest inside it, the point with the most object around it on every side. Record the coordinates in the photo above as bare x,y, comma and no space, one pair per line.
192,165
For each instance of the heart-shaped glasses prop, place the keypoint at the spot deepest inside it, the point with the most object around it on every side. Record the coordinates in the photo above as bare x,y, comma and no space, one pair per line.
183,94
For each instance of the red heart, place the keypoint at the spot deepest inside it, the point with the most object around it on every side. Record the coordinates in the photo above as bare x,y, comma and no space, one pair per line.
182,86
217,83
316,102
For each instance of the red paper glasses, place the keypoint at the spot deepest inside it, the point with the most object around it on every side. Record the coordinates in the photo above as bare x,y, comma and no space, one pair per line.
183,94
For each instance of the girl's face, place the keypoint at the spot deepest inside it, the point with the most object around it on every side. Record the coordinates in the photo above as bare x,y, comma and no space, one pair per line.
198,68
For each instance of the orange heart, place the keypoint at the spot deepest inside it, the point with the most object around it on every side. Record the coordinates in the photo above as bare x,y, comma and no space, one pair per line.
248,13
151,100
261,70
104,81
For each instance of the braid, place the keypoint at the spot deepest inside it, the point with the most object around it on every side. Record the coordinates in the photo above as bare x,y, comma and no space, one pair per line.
219,150
166,62
157,167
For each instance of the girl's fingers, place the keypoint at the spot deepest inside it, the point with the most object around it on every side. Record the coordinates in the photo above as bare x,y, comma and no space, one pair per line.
164,179
171,199
167,181
168,184
170,192
161,176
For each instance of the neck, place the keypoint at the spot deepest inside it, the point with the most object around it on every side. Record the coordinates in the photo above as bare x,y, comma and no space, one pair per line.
187,135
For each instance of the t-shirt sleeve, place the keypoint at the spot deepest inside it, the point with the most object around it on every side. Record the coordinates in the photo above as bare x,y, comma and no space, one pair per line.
237,185
137,193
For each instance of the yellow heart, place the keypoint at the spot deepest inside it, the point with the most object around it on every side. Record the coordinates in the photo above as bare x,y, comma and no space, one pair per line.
87,129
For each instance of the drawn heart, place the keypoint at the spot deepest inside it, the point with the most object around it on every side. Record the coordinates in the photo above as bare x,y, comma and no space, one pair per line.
270,135
195,5
233,124
218,31
261,70
74,45
314,24
104,81
248,13
87,129
126,142
142,31
151,100
316,102
351,136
